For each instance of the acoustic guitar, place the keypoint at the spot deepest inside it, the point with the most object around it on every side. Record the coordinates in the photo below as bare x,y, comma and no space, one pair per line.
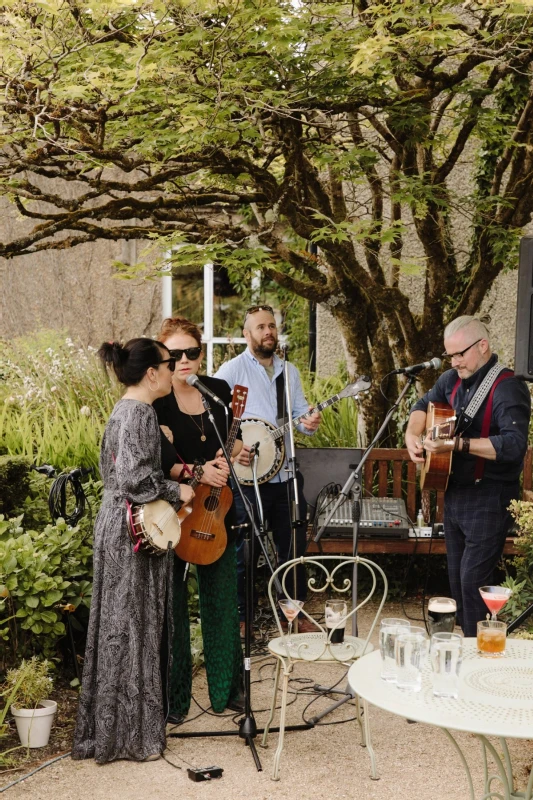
440,424
203,532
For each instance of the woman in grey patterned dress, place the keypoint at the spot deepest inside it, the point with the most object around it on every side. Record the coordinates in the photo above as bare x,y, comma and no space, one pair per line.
121,712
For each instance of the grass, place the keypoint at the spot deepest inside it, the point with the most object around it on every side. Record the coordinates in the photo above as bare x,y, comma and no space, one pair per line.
54,400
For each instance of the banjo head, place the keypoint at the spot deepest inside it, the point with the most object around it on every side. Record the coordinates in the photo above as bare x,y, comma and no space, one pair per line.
157,525
271,451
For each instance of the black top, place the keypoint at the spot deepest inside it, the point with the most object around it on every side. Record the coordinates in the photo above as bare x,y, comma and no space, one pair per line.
187,433
509,423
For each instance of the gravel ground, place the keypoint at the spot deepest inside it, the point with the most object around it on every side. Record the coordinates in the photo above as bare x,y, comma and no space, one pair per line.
414,761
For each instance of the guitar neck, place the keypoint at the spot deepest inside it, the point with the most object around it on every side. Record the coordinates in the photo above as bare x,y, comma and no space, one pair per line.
279,432
230,443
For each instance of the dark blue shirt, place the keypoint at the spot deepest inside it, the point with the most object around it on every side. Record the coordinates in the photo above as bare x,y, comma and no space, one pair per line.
509,423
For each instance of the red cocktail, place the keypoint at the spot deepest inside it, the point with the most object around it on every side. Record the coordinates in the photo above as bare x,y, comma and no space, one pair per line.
495,598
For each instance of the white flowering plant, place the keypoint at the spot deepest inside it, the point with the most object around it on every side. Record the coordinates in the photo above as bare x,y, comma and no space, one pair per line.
55,399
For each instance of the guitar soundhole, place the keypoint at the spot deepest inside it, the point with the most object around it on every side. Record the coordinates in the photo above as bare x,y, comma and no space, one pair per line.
211,503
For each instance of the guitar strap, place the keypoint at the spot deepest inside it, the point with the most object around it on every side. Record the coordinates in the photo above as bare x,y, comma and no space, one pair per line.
485,425
487,387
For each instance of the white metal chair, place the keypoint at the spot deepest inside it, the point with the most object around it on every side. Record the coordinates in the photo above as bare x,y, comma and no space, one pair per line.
318,646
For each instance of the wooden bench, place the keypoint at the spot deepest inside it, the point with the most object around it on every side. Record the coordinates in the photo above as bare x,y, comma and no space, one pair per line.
391,473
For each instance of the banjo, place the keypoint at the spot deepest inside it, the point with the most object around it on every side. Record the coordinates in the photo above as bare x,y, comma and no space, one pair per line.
153,527
156,526
271,439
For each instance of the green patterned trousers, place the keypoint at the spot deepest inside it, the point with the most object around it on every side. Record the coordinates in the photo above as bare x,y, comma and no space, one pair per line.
219,616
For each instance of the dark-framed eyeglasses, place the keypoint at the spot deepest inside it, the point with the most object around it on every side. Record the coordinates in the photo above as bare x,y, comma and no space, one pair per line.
192,353
255,309
460,354
170,361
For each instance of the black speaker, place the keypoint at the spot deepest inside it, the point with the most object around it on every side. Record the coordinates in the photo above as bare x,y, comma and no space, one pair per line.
322,465
523,350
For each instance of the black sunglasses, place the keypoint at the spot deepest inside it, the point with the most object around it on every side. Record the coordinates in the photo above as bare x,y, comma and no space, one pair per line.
170,361
255,309
192,353
460,354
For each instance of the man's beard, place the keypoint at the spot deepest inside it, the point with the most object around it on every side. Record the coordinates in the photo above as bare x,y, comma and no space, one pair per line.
264,349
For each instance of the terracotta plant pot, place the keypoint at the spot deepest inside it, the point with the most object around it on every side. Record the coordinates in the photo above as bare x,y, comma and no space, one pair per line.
34,724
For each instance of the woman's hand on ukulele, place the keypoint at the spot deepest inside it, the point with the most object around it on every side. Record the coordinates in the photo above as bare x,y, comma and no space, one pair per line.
186,493
215,472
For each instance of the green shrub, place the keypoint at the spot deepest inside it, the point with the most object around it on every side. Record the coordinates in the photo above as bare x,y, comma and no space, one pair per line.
522,583
339,422
40,574
14,482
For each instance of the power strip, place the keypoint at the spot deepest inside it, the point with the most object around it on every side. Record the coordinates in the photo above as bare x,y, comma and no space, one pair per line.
420,533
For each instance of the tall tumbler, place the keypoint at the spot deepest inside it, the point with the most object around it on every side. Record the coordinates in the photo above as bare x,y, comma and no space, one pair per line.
410,653
446,653
389,629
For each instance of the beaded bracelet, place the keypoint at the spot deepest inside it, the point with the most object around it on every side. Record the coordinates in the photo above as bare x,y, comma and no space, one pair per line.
466,446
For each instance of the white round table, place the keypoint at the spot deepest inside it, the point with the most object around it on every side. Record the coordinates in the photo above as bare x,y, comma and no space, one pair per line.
495,699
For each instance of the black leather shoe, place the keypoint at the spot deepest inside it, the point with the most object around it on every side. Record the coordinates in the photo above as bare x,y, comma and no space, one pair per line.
175,719
237,704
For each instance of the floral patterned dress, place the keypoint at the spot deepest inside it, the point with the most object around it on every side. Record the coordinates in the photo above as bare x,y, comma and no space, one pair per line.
122,709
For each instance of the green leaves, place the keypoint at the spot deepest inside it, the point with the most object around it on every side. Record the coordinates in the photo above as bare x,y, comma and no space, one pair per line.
41,572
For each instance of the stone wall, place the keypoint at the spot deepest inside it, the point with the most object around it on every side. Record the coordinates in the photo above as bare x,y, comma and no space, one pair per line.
74,290
499,305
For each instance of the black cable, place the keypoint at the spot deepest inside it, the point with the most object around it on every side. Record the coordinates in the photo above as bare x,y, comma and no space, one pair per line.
29,774
66,487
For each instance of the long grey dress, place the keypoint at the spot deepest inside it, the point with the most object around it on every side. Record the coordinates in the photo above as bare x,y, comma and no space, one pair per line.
121,713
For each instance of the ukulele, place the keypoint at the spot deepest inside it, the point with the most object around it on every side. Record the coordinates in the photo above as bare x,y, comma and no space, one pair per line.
203,532
440,424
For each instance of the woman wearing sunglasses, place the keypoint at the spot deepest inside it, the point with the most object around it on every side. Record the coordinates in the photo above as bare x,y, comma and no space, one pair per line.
121,711
183,417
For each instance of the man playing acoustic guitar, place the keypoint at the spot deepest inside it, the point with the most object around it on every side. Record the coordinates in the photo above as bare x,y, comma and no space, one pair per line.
493,409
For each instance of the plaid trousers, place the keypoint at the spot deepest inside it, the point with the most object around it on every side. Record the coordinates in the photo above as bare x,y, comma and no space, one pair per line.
476,522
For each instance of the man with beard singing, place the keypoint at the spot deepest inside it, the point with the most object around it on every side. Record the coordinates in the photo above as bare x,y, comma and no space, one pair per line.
259,368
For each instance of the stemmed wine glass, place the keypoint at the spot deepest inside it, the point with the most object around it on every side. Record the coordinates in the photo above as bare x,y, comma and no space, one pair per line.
291,609
495,598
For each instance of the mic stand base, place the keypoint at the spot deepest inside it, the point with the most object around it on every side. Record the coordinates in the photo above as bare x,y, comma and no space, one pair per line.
200,734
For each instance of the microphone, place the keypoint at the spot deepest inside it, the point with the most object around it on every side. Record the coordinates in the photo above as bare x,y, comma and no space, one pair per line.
254,449
435,363
194,380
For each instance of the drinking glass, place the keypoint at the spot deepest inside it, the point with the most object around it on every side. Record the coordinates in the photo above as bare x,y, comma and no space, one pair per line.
446,654
410,653
441,615
491,637
388,631
336,611
495,597
291,609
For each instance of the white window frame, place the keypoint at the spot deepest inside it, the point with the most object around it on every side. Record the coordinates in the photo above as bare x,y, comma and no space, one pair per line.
209,304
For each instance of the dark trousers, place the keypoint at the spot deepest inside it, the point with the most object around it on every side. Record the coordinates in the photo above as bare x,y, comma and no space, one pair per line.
277,510
476,522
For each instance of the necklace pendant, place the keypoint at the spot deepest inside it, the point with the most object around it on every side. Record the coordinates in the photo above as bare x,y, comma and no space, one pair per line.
203,438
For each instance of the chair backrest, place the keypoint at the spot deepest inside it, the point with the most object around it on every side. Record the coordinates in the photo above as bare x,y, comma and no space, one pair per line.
329,573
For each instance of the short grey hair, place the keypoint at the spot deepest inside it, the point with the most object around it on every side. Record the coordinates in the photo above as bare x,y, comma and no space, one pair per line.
479,329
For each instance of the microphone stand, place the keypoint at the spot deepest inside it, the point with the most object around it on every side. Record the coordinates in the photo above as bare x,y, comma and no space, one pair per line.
247,725
354,483
291,470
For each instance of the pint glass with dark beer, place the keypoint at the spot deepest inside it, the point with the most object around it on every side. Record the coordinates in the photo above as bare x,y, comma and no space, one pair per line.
441,615
336,611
